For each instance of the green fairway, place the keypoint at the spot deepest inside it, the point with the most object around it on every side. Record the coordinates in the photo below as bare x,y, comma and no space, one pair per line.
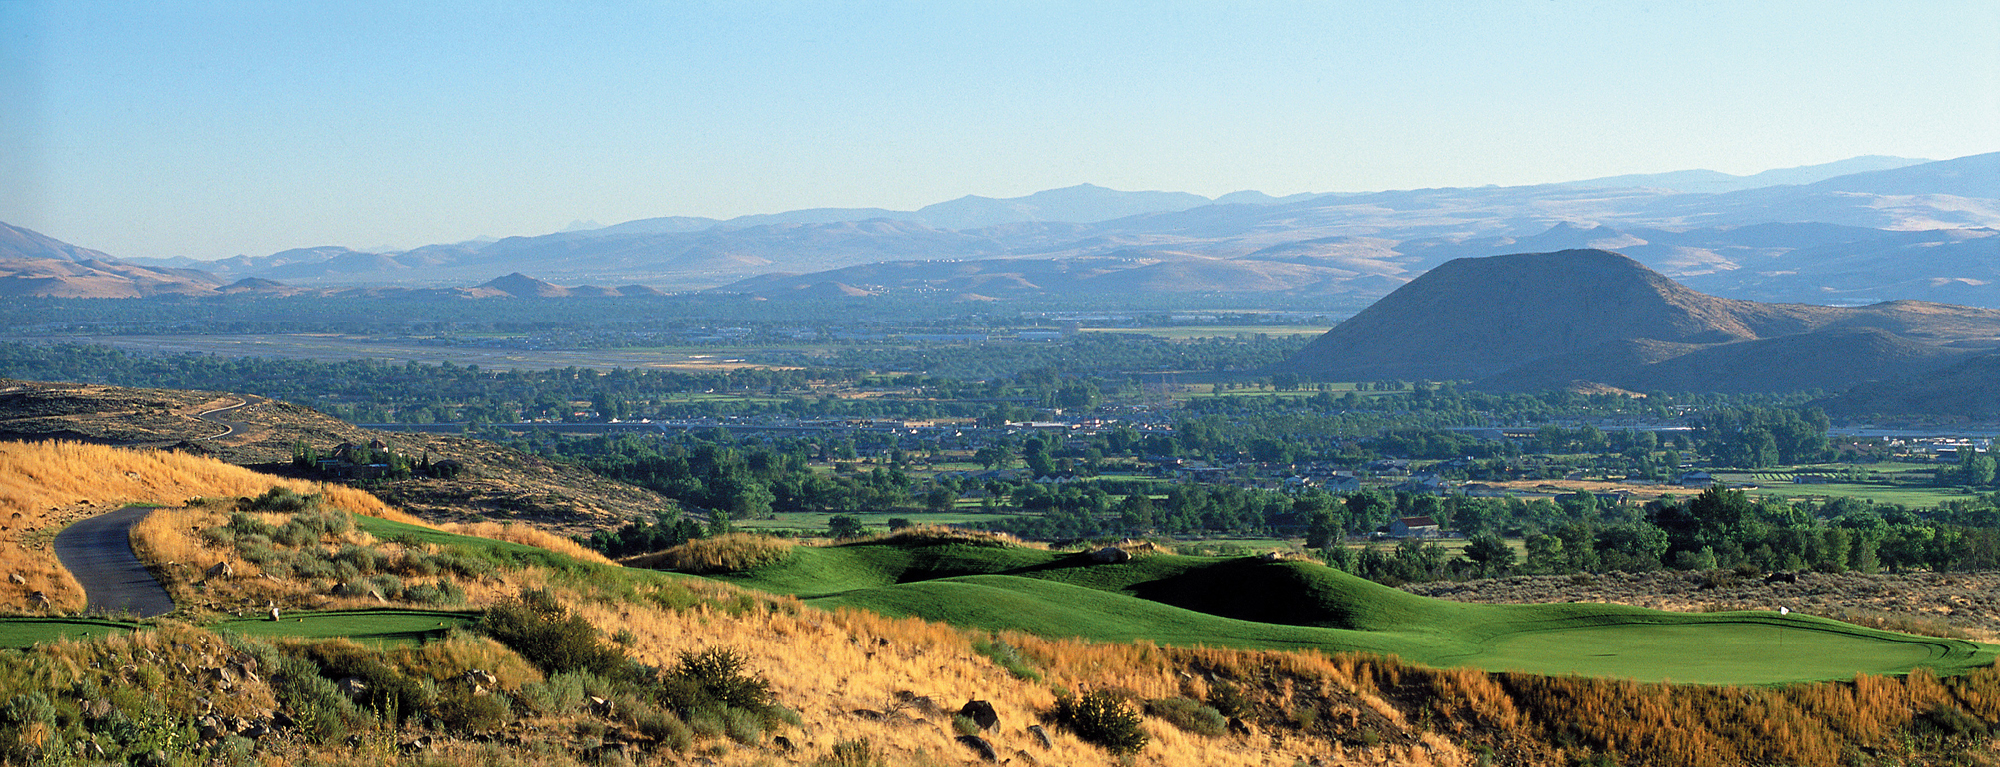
384,627
1248,602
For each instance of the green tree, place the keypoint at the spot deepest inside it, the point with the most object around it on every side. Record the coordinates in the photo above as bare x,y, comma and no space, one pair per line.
1492,554
844,526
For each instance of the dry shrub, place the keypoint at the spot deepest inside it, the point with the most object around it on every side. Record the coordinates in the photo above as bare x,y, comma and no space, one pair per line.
722,554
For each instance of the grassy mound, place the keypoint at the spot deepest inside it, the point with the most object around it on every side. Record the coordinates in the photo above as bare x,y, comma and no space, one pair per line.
1249,602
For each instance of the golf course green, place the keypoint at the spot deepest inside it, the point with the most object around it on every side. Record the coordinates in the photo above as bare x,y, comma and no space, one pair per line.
1249,602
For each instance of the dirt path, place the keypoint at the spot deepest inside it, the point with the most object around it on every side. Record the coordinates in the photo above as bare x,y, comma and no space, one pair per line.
98,551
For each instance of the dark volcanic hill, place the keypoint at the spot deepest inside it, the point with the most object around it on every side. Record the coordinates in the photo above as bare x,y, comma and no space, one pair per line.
1963,390
1536,320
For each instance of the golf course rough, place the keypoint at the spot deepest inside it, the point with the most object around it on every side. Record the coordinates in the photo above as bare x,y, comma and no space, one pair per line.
1252,603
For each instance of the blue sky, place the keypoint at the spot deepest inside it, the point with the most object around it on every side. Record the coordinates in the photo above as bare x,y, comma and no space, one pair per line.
221,128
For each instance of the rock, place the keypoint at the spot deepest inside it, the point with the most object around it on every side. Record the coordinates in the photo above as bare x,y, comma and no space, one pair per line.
16,578
980,746
221,570
39,599
870,714
352,687
981,713
1110,555
602,706
1025,758
1240,727
255,731
784,744
1271,556
1041,736
922,703
482,677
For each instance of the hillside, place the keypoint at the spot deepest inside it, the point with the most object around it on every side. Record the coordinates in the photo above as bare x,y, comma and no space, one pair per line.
498,483
520,650
1964,390
1535,320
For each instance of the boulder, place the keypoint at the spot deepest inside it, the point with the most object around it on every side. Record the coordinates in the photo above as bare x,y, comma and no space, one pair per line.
981,747
1110,555
1041,736
981,713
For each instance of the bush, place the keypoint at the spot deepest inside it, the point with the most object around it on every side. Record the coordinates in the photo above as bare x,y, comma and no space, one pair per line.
1008,657
322,713
283,500
388,690
717,675
1102,718
1189,715
1953,722
461,710
549,636
730,553
849,753
1227,698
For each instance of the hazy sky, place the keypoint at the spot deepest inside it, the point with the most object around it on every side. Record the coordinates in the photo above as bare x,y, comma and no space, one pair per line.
217,128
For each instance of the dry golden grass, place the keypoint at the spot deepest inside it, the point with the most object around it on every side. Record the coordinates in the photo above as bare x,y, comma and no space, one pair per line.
527,536
720,554
46,485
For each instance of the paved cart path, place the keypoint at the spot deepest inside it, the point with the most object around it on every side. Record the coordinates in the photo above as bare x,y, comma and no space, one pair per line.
98,551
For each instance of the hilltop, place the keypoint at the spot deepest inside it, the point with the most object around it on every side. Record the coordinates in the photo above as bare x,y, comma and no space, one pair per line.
496,483
1536,320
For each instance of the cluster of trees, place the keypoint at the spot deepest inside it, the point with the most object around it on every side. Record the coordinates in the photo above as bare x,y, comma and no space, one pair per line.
1758,437
1974,469
743,481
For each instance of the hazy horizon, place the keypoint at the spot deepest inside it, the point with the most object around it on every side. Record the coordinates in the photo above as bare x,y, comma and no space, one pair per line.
218,129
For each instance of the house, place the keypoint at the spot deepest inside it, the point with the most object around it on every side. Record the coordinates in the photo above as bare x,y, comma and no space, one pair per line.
1696,479
1812,479
1413,527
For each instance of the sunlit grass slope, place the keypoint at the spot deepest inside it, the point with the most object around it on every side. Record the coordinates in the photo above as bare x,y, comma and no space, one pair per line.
1249,602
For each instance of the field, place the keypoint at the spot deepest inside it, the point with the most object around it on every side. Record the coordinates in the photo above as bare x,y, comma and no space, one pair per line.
1189,332
1252,603
1779,484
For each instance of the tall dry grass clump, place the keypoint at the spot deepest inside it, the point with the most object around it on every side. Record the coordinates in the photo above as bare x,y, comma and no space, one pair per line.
730,553
528,536
919,535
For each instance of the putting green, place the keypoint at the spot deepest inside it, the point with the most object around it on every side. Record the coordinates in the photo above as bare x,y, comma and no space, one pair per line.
376,627
379,627
22,631
1710,653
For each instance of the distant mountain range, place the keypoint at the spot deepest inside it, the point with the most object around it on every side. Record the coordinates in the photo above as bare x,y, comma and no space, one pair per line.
1593,319
1858,231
